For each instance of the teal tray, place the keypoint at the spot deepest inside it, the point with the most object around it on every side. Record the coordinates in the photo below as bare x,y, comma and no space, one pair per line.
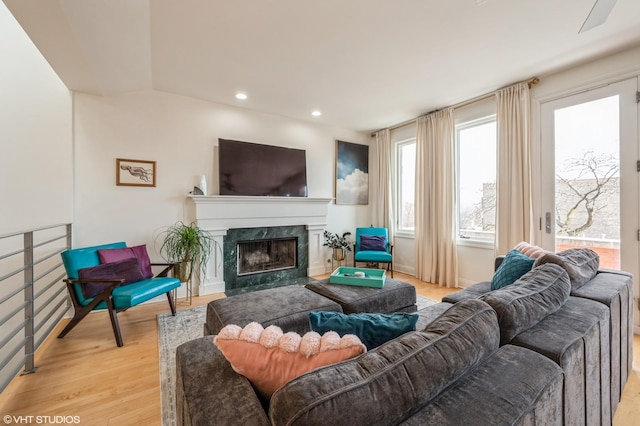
372,277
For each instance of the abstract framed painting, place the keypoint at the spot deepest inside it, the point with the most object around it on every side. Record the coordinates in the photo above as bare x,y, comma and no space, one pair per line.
352,173
135,172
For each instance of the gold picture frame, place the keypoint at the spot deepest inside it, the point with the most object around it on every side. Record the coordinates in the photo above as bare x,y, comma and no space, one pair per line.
135,172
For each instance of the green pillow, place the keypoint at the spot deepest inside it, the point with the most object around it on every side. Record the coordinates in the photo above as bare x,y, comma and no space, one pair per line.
514,265
372,329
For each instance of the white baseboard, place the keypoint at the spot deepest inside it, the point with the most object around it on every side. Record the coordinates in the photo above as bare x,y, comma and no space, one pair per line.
405,269
316,270
210,288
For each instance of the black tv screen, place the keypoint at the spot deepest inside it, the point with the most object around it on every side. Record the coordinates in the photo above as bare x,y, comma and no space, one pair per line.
253,169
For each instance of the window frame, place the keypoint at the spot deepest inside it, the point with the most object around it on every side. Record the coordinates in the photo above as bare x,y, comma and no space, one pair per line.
488,241
401,231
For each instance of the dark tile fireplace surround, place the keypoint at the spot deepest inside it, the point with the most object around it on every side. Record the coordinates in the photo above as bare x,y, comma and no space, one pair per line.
230,219
267,259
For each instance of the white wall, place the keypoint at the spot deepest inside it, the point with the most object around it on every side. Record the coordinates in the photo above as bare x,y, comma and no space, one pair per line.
180,134
35,118
475,262
35,174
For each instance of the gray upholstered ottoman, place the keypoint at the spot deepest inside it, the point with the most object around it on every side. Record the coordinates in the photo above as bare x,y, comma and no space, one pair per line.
427,315
287,307
395,296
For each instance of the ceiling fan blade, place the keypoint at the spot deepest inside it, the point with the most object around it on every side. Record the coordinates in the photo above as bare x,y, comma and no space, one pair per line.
599,13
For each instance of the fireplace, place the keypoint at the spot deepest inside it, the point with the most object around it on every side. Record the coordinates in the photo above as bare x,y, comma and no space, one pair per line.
260,256
223,215
264,256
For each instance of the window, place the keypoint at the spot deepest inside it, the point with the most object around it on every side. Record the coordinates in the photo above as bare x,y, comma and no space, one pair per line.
406,181
476,179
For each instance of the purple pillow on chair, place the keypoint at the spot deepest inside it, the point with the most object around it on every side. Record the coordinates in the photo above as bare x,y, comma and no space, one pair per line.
373,242
138,252
129,269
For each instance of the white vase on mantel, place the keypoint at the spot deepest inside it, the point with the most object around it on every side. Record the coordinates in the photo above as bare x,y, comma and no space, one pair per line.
203,185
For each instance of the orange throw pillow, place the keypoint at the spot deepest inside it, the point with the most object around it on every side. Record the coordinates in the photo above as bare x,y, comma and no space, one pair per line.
270,358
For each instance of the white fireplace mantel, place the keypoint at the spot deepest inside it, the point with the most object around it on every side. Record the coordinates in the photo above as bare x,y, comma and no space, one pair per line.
219,213
228,211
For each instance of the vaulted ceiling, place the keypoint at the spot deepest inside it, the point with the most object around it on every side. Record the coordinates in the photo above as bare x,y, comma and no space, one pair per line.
366,64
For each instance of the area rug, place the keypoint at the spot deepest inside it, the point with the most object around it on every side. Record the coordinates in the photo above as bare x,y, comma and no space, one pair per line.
188,324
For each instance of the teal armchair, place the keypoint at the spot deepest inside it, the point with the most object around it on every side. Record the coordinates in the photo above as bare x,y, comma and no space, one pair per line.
372,246
118,287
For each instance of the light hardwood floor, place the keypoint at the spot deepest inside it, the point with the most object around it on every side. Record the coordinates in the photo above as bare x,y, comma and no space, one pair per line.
87,375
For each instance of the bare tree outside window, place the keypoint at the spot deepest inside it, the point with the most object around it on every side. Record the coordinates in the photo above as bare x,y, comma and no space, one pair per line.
587,190
482,216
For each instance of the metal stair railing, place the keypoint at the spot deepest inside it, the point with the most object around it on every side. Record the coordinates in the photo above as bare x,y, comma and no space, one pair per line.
33,298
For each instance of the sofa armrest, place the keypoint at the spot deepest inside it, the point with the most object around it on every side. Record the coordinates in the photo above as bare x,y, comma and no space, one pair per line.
167,268
615,271
497,262
209,392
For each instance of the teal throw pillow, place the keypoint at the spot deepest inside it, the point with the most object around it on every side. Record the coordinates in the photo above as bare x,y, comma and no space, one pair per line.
514,265
372,329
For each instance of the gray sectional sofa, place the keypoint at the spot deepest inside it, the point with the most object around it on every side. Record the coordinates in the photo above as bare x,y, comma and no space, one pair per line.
529,354
608,293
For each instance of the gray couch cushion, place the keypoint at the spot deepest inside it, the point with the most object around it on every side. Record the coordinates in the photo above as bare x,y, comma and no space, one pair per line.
520,306
614,289
474,291
515,386
576,337
209,392
580,263
400,375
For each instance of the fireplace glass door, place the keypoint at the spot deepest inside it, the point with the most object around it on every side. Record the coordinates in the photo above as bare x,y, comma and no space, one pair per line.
259,256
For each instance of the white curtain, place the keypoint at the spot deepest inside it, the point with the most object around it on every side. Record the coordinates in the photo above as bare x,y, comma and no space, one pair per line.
436,258
381,187
513,184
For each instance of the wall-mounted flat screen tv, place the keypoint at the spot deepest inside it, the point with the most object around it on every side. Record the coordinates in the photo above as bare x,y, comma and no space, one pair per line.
247,168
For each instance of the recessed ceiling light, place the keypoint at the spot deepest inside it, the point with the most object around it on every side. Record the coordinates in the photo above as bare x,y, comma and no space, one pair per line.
241,96
316,113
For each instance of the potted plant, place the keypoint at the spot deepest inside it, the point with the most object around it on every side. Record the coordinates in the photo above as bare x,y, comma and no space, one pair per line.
338,243
188,246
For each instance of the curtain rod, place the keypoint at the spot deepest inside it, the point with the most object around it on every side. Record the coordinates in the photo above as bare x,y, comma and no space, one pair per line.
531,82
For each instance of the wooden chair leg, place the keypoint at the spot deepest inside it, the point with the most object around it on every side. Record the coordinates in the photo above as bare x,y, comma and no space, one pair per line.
171,303
79,312
78,315
113,315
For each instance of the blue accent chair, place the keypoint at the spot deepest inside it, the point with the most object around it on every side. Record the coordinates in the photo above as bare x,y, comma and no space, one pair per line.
115,298
374,256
